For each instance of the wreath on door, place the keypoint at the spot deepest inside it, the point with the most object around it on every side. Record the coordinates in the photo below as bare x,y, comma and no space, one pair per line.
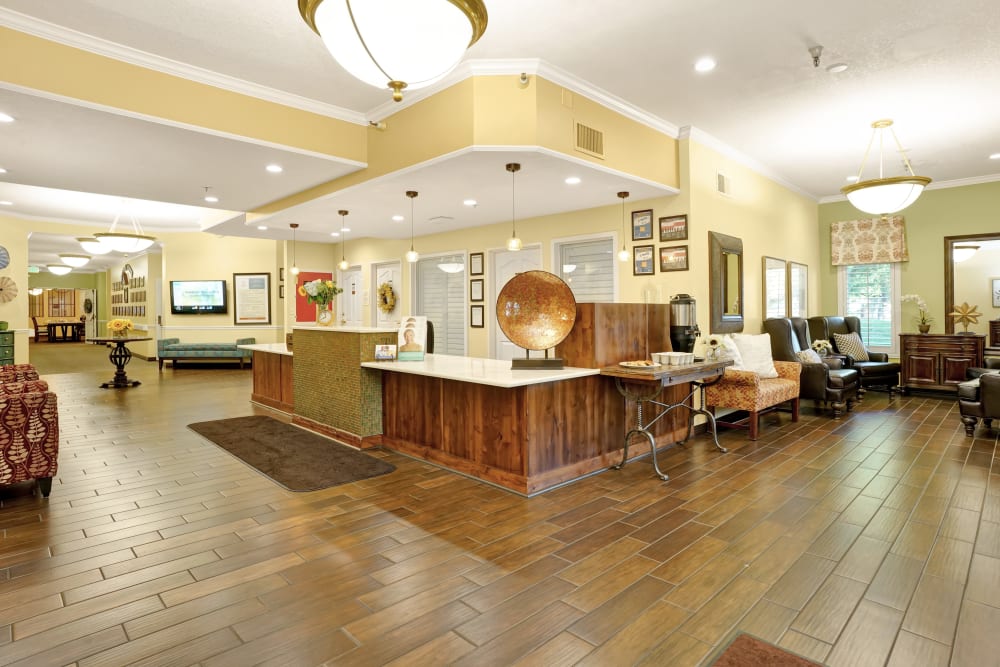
386,298
88,306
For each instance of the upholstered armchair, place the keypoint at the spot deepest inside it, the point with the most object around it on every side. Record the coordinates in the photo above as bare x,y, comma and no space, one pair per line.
29,433
747,391
877,371
823,381
18,373
979,399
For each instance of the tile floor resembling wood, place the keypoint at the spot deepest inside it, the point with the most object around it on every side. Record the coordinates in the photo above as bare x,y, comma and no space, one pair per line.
871,540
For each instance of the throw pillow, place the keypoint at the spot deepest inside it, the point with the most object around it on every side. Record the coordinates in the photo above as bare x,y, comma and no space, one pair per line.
809,357
756,352
728,350
851,345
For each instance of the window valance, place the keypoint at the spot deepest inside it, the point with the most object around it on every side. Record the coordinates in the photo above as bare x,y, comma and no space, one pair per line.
871,241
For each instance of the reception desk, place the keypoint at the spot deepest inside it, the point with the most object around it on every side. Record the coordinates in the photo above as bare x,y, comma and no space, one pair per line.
525,430
272,376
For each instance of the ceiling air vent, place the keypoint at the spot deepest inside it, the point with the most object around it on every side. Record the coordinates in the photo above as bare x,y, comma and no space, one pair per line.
439,219
722,183
589,141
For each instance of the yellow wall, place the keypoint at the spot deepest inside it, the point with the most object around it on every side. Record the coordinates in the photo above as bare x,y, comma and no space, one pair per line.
970,209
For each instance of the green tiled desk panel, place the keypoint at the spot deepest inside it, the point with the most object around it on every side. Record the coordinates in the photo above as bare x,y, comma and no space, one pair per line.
6,348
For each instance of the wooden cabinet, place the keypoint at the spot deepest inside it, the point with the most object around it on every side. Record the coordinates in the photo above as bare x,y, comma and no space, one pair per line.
6,348
272,380
994,333
938,361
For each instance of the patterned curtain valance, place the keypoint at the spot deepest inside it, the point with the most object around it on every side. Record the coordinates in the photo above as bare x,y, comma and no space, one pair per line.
872,241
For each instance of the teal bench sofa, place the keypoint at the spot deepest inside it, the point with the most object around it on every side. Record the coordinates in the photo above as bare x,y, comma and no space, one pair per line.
175,350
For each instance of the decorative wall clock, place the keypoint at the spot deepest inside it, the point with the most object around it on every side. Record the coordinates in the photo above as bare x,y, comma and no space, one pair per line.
4,257
8,289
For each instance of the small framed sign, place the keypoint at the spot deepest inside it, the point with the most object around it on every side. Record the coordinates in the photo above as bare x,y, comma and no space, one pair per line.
642,260
995,290
476,290
476,317
642,225
475,264
385,353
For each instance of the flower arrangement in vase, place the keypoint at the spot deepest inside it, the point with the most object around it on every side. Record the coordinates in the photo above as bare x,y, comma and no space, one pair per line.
822,347
322,293
119,328
713,347
923,320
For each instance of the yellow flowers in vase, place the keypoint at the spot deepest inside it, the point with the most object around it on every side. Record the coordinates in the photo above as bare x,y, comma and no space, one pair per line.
120,328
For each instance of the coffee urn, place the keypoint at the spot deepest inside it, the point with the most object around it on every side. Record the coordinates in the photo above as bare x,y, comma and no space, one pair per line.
683,323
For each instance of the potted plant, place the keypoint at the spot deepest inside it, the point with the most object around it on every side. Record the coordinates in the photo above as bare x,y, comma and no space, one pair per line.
923,319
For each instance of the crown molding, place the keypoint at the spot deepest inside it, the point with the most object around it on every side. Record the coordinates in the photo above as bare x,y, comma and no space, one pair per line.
934,185
530,66
102,47
705,139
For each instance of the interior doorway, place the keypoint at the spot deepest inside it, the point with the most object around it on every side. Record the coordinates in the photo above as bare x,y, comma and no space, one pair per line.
391,274
349,301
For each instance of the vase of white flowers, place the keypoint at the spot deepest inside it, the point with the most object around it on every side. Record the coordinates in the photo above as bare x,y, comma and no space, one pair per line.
923,319
322,293
822,347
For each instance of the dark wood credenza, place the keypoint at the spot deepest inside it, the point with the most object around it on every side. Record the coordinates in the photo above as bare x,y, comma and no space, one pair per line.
938,361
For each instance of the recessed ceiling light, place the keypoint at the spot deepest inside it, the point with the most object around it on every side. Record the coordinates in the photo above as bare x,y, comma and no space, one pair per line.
852,179
995,156
2,170
4,118
470,202
345,229
398,218
212,199
274,168
836,68
261,227
6,203
573,180
705,64
334,233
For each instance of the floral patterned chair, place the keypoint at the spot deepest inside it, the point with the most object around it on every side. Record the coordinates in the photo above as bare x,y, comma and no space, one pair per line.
746,390
29,430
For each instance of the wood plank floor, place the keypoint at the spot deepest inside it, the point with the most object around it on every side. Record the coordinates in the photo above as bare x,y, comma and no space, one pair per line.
871,540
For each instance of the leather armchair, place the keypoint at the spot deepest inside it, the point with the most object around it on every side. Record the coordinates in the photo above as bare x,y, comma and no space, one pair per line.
878,371
29,433
979,399
826,381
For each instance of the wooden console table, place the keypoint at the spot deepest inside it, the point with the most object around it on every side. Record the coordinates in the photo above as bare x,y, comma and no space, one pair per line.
938,361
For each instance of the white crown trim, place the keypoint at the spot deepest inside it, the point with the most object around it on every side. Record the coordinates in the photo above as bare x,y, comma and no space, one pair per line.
934,185
102,47
705,139
530,66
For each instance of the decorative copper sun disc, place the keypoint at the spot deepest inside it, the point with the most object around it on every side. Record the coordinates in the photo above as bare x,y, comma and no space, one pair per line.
536,310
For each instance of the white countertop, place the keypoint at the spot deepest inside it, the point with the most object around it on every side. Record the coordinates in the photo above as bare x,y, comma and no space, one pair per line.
339,329
493,372
274,348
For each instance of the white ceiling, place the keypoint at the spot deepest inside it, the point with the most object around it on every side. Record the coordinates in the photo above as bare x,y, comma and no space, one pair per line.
933,67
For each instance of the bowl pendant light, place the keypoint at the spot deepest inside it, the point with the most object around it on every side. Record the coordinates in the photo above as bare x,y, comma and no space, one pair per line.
623,255
884,196
513,243
411,255
343,240
73,259
126,242
396,44
295,269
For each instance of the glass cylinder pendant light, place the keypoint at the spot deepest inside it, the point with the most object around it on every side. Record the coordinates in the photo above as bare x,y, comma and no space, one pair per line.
623,255
513,243
882,195
396,44
343,240
411,255
295,269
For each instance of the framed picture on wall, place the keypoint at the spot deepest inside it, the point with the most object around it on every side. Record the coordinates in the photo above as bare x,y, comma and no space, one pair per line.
252,298
642,225
798,290
674,228
476,290
674,258
995,291
642,260
475,264
476,317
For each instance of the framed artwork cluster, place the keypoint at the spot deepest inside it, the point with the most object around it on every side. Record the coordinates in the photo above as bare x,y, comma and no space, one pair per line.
477,291
128,295
671,257
785,288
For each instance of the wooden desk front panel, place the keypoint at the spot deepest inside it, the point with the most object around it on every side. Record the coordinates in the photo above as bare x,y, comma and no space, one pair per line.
272,381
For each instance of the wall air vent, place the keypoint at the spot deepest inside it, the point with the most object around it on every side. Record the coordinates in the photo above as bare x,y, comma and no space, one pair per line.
722,183
589,141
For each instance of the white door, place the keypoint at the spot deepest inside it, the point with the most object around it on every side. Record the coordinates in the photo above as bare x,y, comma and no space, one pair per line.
389,273
506,265
88,299
349,301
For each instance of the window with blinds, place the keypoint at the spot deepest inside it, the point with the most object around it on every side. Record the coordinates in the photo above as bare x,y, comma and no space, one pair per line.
62,303
870,292
441,298
588,267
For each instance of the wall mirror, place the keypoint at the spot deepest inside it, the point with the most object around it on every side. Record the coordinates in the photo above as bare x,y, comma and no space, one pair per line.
798,290
775,286
726,282
970,280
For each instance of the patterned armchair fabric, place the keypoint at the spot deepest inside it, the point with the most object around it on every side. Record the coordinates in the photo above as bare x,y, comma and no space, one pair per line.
744,390
18,373
29,433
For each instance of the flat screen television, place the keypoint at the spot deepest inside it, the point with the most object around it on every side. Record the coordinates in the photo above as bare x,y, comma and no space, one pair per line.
198,297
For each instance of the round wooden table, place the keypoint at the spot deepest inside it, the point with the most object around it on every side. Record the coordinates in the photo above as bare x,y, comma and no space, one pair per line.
120,355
